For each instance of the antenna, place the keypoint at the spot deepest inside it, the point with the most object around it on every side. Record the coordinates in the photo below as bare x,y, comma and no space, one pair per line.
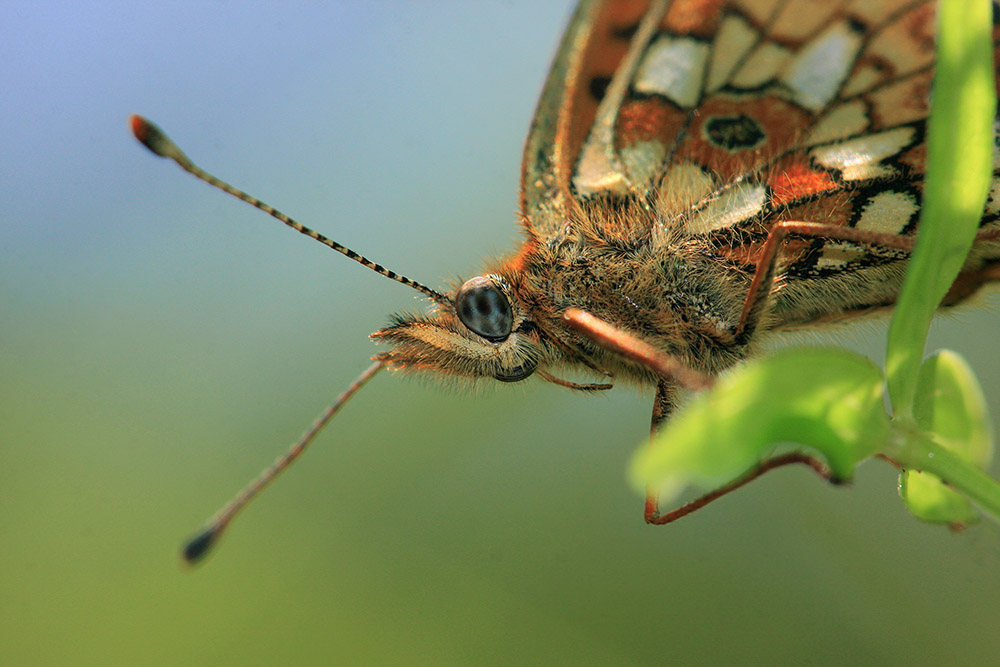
156,140
199,545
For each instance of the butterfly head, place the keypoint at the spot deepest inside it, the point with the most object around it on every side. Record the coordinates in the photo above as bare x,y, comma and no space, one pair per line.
483,332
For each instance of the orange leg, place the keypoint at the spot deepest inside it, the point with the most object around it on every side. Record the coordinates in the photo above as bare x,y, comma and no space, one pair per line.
654,517
663,405
612,338
760,285
674,373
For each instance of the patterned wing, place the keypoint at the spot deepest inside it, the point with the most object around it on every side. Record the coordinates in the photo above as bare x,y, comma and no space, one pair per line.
594,44
723,116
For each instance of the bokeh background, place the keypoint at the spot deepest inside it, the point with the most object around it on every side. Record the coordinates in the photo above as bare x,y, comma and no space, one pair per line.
160,343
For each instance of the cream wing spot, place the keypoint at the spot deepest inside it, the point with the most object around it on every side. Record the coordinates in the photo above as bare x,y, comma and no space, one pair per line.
599,169
815,74
733,41
683,185
842,121
860,158
673,67
681,188
798,20
888,212
862,79
762,66
643,161
732,206
836,255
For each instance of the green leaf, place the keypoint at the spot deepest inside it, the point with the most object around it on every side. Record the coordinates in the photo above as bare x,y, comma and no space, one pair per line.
931,500
950,404
960,148
828,399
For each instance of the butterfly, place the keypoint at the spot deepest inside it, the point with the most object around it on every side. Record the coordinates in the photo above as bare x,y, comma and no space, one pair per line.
698,174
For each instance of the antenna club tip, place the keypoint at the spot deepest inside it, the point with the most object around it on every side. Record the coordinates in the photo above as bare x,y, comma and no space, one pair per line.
199,546
153,138
138,125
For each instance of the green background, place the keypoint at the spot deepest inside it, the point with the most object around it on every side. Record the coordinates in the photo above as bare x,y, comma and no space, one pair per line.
160,343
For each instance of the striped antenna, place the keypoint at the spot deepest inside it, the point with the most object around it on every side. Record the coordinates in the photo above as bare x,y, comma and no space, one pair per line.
153,138
198,546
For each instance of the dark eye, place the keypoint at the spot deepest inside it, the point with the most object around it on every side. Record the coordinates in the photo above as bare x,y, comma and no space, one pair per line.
484,309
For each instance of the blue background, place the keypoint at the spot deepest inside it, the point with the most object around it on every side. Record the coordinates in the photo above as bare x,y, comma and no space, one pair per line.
160,343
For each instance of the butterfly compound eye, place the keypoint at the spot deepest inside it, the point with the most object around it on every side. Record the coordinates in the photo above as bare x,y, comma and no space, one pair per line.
484,309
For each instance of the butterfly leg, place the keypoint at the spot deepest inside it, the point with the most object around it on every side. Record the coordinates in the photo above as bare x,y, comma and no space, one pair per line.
760,286
663,404
612,338
674,373
763,277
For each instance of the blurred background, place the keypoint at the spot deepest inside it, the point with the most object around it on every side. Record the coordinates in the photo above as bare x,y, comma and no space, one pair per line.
160,343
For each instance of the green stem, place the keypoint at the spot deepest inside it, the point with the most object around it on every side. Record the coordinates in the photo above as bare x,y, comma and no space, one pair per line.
918,450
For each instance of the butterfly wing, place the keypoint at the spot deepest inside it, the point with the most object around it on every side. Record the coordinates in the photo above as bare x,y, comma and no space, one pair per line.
724,116
591,50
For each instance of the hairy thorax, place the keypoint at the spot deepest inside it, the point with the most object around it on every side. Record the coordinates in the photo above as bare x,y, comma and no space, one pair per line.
680,300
